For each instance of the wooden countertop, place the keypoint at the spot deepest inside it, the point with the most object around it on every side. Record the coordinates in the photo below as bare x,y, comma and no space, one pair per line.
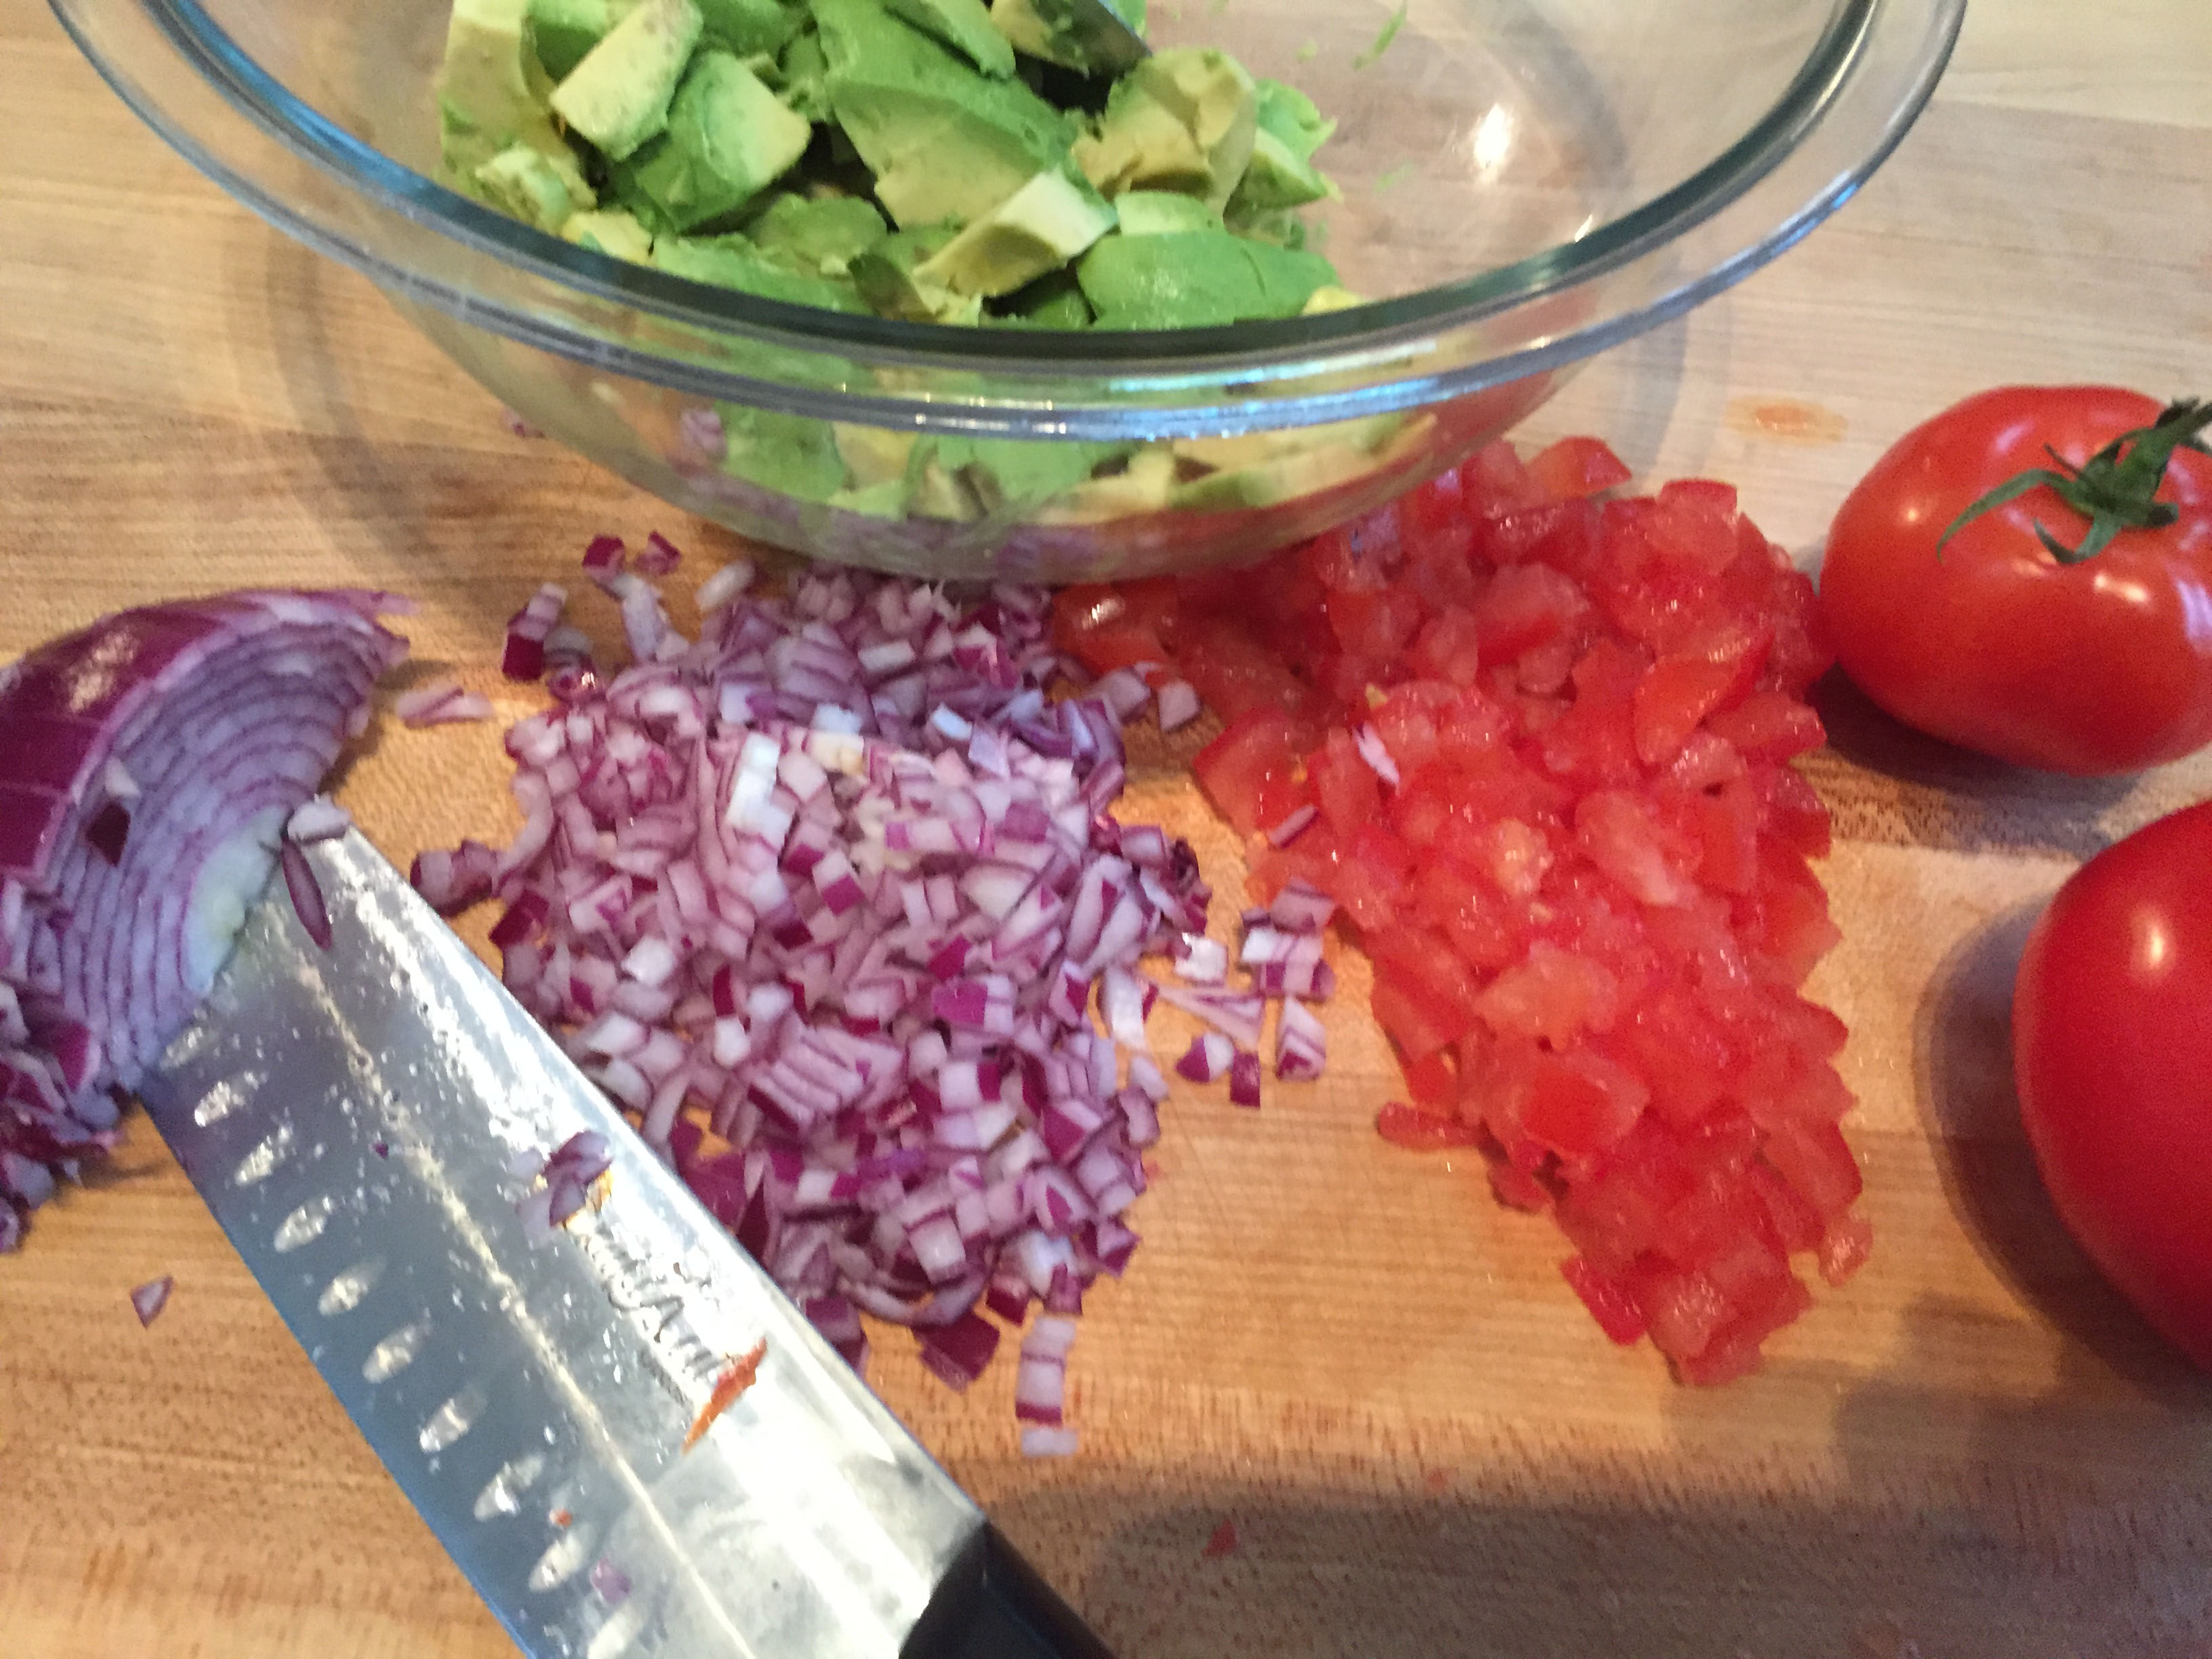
1352,1352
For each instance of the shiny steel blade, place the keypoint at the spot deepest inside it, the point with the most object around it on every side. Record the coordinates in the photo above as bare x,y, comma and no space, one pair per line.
362,1122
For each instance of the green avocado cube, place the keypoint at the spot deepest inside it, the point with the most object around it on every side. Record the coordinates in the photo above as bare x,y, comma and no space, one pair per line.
886,276
1040,228
1054,301
491,96
793,454
734,262
750,27
728,139
523,183
563,31
611,232
1281,173
619,96
801,76
1196,279
962,25
1158,212
1183,119
943,140
820,233
1052,30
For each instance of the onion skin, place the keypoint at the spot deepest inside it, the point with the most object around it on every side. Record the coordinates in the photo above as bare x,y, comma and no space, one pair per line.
223,714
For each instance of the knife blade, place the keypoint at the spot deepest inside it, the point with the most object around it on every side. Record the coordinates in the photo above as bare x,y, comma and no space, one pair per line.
363,1122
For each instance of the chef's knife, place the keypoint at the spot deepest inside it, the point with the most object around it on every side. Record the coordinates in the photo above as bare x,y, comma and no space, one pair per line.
363,1122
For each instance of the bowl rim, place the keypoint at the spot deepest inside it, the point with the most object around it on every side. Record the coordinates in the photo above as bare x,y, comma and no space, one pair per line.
1373,358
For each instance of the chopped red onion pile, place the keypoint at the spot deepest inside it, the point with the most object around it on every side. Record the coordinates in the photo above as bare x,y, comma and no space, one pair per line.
840,876
148,766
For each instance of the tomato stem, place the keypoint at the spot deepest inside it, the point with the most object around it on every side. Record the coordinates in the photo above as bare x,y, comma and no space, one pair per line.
2115,489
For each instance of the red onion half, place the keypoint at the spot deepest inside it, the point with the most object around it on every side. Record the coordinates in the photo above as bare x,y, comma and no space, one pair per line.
148,765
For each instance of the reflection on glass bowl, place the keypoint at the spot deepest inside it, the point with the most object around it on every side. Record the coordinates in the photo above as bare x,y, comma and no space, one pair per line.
1522,183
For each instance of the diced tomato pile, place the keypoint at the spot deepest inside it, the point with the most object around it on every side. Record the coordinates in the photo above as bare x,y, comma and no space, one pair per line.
1535,742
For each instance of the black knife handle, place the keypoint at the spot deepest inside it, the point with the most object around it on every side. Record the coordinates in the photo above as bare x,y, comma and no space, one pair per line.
993,1605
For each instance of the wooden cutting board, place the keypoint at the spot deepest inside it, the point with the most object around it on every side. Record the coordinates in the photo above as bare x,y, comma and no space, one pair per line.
1348,1351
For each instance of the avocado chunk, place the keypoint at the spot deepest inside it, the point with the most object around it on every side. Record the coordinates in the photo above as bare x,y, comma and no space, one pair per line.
610,232
564,30
1196,279
801,76
1183,119
1144,485
956,478
619,96
749,27
728,139
734,262
491,97
943,140
526,185
1040,228
1330,297
1054,300
962,25
874,455
1158,212
824,233
795,455
1281,173
1054,30
885,274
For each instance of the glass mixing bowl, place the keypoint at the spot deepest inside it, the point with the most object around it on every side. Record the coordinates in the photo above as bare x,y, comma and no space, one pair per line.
1523,183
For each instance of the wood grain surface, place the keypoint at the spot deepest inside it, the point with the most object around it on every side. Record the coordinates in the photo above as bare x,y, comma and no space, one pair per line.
1349,1350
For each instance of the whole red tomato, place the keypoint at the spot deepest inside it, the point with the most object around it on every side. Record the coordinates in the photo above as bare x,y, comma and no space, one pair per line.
1993,641
2112,1054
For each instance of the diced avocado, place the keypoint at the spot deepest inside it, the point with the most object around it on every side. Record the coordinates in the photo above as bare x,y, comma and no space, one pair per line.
728,139
822,233
802,74
1196,279
734,262
610,232
1158,212
1264,468
1144,486
943,140
934,491
1275,177
874,455
1281,173
793,454
1053,31
1040,228
886,276
750,27
962,25
1330,297
564,30
886,499
491,96
1183,119
1054,301
1282,109
619,96
953,477
522,182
